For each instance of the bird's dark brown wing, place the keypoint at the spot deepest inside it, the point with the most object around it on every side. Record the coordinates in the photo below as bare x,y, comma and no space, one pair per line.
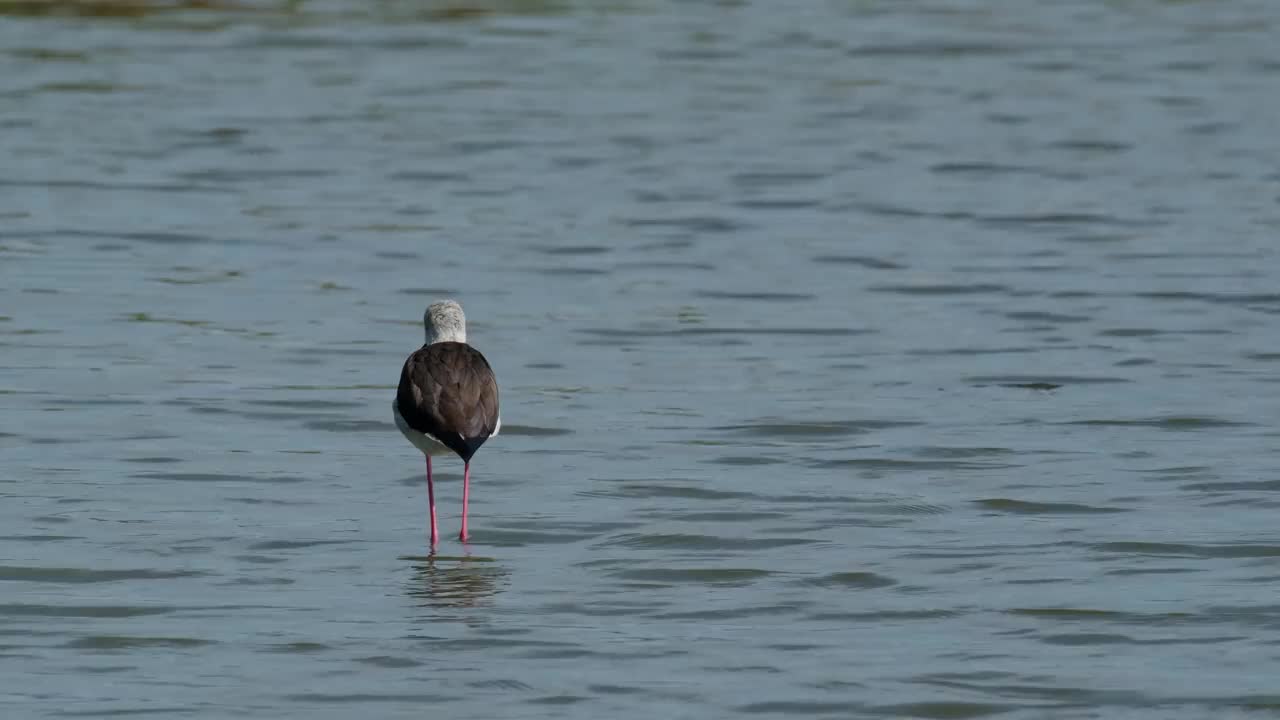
449,391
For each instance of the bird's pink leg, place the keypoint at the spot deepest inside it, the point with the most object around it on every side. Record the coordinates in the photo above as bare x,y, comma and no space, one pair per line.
466,495
431,499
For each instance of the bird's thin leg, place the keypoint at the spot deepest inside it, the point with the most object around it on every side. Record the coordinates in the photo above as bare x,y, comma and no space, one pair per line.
431,499
466,495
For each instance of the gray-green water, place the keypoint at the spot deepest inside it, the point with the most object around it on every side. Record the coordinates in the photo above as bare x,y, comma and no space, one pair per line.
859,359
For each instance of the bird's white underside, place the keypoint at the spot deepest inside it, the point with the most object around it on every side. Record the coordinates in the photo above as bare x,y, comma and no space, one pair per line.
426,442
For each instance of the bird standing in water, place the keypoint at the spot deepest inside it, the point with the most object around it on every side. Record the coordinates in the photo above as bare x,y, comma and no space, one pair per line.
448,399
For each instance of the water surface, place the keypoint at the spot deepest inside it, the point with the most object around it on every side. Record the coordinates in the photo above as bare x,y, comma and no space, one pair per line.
858,360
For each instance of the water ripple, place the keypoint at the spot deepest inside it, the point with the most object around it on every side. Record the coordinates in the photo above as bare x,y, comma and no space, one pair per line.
1024,507
701,542
852,580
677,576
85,575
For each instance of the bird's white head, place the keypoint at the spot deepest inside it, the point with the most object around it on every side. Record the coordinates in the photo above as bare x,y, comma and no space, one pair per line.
445,322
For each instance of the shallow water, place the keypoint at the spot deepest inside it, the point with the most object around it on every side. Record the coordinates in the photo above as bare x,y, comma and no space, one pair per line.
862,359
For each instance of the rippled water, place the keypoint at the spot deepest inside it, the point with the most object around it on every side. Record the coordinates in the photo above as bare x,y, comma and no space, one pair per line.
859,359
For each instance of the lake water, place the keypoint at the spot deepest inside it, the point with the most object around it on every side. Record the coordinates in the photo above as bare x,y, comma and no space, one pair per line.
859,359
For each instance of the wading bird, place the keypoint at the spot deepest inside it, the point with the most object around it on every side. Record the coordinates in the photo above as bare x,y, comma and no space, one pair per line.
448,399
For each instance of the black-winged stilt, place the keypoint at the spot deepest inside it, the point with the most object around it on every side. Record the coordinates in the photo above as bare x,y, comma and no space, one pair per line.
448,399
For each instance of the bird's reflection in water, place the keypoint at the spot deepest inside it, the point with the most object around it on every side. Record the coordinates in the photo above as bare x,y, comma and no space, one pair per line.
455,581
